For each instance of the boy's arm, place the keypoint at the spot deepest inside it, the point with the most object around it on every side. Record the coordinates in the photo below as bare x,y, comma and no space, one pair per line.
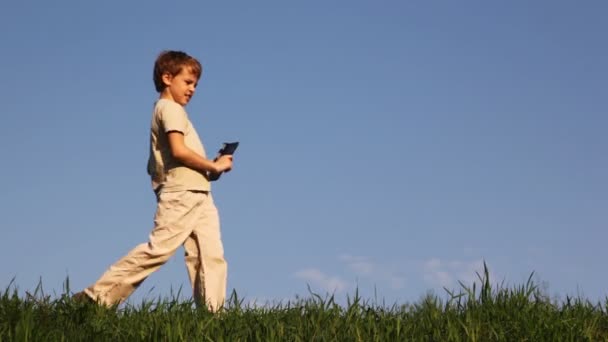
191,159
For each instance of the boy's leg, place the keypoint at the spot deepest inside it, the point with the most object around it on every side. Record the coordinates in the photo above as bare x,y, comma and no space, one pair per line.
176,214
204,257
193,266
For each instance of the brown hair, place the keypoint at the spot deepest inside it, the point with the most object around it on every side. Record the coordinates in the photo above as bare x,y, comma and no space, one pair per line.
172,62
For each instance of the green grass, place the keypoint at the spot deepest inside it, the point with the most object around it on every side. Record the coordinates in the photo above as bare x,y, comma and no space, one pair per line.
478,312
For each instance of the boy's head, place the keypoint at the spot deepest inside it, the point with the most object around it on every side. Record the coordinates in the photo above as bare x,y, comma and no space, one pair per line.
176,73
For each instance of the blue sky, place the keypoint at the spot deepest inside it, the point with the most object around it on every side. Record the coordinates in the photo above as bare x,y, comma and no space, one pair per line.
391,146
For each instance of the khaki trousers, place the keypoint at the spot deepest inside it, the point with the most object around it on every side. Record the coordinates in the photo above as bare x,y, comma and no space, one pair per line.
187,218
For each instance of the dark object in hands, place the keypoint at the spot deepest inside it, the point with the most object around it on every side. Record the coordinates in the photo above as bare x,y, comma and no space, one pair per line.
212,176
227,149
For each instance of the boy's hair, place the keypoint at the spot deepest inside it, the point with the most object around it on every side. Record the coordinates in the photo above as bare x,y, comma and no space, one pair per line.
172,62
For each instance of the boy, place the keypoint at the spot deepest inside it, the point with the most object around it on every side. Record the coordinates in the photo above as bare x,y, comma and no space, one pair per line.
186,214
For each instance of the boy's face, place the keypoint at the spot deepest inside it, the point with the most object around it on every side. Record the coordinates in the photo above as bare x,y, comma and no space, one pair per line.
180,88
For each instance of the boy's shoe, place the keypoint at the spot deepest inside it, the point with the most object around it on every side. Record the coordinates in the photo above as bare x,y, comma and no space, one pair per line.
82,297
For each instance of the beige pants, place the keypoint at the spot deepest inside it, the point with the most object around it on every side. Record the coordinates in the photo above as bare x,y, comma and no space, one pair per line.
185,218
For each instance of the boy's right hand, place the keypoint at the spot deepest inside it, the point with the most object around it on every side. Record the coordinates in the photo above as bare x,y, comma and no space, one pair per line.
223,163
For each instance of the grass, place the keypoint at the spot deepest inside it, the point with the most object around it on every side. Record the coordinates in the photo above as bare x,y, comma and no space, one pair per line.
478,312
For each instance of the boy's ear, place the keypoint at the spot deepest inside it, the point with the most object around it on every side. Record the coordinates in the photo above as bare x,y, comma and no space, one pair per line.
167,78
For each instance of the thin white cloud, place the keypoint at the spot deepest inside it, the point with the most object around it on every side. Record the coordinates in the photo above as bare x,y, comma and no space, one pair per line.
316,278
363,267
397,282
439,273
358,264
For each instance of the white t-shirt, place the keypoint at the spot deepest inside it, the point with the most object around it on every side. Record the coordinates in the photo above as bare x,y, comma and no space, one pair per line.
164,170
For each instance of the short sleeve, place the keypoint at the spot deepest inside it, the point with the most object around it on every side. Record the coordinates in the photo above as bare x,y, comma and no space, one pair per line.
173,118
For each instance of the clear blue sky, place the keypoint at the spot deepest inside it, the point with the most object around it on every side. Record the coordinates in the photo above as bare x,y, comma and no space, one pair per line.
389,145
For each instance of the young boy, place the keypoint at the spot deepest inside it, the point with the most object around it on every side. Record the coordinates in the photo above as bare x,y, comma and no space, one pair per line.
185,214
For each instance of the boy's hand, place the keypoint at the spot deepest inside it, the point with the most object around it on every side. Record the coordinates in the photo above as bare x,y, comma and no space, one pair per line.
223,163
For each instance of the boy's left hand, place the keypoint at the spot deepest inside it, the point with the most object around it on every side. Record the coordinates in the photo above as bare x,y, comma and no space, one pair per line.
213,176
225,156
